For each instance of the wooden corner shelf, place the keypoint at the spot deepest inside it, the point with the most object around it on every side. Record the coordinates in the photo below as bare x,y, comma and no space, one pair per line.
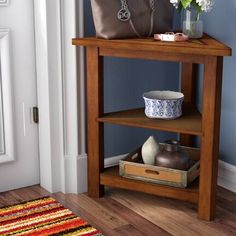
206,51
189,123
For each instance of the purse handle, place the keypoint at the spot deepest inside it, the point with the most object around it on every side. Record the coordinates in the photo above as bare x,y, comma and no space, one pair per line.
125,15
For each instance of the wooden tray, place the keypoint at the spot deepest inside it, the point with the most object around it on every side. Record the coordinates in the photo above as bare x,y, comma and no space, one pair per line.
132,167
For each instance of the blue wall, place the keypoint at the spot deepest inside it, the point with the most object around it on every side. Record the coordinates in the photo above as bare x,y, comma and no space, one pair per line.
220,23
126,80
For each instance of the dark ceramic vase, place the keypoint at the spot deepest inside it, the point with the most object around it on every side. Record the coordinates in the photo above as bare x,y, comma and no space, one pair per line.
172,156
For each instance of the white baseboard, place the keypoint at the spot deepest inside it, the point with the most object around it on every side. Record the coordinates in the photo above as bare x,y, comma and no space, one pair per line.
75,174
113,161
226,174
82,176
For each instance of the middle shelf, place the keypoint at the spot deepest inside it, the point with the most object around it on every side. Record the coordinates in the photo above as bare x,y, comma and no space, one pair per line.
189,123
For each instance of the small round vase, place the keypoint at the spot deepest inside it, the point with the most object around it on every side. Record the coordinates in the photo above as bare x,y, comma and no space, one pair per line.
192,25
172,156
149,151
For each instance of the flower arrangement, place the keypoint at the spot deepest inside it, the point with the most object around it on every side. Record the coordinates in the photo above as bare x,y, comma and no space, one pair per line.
199,5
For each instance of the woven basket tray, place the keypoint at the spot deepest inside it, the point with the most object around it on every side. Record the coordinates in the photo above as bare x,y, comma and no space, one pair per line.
132,167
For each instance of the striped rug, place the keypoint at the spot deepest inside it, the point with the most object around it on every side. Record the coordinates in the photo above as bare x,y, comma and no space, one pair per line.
41,217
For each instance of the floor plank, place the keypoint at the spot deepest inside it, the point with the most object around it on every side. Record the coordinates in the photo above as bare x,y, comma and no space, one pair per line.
129,230
173,216
142,224
122,212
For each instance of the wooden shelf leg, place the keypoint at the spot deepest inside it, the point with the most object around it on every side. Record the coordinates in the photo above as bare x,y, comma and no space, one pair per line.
188,87
210,139
95,129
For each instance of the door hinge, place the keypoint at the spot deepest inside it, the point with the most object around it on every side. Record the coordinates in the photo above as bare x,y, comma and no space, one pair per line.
36,115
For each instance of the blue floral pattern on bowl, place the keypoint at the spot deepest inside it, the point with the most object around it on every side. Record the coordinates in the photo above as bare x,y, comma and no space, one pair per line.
163,104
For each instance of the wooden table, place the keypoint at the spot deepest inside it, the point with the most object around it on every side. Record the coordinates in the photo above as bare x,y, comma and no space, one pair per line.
206,51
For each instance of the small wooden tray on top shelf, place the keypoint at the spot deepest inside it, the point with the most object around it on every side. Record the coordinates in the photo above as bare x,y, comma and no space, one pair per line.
132,167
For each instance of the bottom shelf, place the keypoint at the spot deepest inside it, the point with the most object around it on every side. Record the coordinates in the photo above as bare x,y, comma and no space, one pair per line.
110,177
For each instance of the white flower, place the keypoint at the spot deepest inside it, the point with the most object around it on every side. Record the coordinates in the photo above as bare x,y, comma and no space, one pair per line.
206,5
175,3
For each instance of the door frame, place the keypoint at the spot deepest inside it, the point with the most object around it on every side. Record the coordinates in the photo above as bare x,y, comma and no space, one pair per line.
60,88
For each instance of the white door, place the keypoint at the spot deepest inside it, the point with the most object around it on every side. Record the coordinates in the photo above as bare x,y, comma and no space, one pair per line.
19,155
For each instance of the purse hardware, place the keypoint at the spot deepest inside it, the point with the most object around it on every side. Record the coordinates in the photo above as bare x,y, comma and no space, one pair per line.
125,15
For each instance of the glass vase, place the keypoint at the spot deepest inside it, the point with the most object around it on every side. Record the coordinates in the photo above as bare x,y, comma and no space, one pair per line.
192,25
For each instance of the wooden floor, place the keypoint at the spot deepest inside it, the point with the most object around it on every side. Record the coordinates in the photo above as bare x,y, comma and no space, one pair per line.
129,213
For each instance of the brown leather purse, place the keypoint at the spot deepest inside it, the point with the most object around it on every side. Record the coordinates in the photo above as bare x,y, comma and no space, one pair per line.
131,18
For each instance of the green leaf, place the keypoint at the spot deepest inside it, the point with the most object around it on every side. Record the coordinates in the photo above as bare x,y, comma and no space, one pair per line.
197,8
186,3
180,7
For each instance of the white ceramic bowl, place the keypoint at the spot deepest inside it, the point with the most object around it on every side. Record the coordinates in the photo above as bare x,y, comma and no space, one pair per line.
163,104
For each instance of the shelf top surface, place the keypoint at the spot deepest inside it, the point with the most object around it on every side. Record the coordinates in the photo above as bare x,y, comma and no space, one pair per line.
188,123
204,46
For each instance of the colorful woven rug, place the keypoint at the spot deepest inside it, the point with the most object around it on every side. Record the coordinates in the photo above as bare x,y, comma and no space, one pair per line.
44,216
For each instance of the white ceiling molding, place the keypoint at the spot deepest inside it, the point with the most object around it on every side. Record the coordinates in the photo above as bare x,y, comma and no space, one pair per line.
7,105
61,136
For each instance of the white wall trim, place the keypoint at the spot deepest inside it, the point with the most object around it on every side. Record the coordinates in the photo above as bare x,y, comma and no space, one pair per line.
227,176
6,84
42,69
62,147
113,161
77,179
73,91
